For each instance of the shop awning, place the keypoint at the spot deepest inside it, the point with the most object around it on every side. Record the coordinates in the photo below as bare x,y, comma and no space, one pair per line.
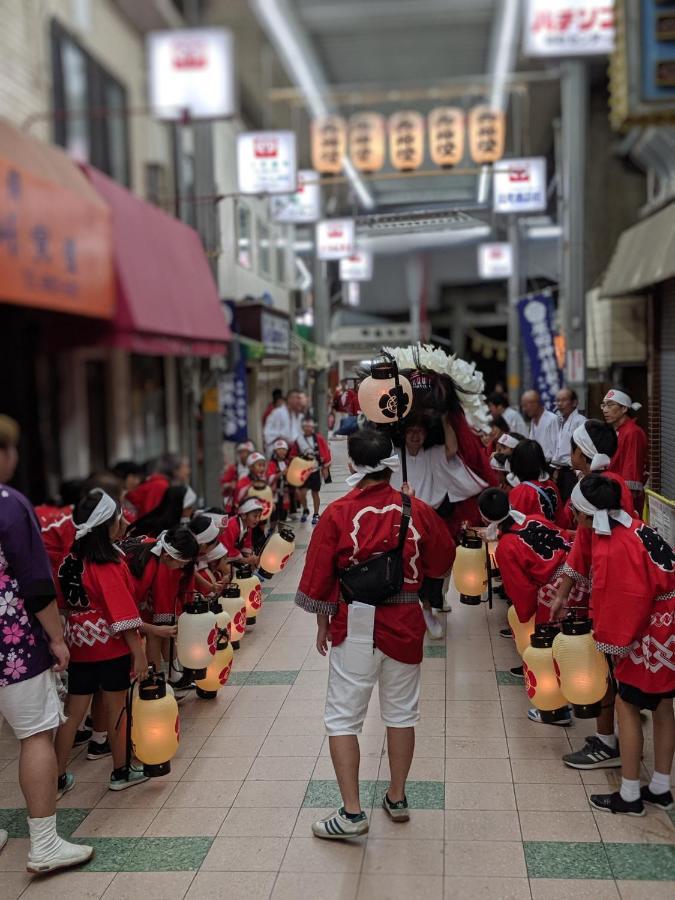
167,301
55,231
644,255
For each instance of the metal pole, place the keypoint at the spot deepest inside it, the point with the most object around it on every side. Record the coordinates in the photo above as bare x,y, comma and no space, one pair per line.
513,366
321,338
574,103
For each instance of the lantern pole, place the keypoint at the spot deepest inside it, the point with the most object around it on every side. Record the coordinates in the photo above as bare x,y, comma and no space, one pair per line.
399,406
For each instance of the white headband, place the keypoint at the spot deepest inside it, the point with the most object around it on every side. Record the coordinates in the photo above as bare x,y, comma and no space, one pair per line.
208,535
250,505
280,444
104,510
512,479
508,441
190,497
219,519
253,458
218,552
622,399
601,517
499,466
515,514
163,544
360,472
599,461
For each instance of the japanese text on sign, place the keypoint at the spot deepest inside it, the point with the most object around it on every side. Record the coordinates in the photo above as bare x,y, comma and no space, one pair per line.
520,185
569,27
536,323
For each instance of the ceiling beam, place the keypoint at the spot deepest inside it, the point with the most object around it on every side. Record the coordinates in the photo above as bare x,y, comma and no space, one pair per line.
351,15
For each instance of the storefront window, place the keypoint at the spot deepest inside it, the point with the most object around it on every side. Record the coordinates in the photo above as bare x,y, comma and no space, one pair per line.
148,411
243,229
264,254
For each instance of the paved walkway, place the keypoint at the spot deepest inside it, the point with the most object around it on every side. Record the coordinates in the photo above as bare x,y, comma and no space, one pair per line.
496,814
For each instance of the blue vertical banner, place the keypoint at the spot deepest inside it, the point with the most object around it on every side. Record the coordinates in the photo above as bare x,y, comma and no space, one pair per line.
234,403
536,328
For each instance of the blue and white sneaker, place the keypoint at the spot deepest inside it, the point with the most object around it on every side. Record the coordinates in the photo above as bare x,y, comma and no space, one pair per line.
339,826
535,716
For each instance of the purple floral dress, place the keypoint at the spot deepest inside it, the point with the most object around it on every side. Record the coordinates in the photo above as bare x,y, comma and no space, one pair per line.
24,572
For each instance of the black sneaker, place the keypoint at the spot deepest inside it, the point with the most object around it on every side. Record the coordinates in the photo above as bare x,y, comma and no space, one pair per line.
99,751
82,736
517,672
661,801
615,803
595,754
184,683
398,811
305,515
506,633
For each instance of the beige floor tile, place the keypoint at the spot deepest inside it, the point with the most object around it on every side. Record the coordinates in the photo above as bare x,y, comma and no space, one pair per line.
369,768
522,727
266,693
487,889
469,727
556,797
478,770
479,796
429,746
602,780
287,726
429,726
474,748
543,771
471,692
306,817
231,885
80,885
493,859
151,795
292,745
640,890
466,709
654,828
255,708
149,886
249,854
202,727
374,887
202,794
481,825
272,793
310,708
432,691
187,821
116,822
13,855
13,884
85,795
224,745
242,821
222,768
12,798
310,854
559,826
432,708
424,824
580,889
386,857
190,746
250,726
295,886
538,748
422,769
91,771
282,768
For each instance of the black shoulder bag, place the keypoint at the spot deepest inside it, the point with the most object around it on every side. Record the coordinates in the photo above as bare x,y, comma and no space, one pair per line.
380,577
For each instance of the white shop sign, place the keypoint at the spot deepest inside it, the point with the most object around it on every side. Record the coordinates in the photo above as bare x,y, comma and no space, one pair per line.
335,238
569,28
495,261
357,267
266,162
275,334
304,205
519,185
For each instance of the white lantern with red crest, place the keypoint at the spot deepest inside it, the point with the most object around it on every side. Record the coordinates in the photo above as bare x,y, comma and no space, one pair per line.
195,624
381,398
581,668
222,654
263,492
235,606
251,592
541,680
299,470
277,552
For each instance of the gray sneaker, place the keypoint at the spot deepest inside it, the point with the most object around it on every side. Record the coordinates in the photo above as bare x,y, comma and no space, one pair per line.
595,754
398,811
339,826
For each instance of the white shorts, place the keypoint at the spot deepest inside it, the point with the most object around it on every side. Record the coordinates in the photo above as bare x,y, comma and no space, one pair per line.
32,706
349,694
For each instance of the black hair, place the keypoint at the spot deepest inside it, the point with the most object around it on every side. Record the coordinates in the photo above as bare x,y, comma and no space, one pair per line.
493,504
138,553
498,399
367,447
528,462
604,493
418,419
277,394
105,480
70,491
167,464
96,547
573,394
603,436
164,516
199,524
518,436
126,467
500,423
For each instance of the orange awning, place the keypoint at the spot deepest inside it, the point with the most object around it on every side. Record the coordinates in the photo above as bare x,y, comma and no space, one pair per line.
55,231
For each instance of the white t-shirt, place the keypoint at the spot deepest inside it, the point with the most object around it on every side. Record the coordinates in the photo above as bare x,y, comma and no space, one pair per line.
282,423
424,475
514,420
546,432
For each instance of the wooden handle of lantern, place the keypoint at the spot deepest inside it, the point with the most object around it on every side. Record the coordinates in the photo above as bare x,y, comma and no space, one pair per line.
399,406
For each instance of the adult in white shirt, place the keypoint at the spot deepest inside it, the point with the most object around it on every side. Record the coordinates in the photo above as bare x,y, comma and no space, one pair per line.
544,425
567,402
285,422
498,405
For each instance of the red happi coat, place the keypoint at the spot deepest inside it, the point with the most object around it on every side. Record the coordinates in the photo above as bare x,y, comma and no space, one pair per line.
527,498
530,558
360,525
321,449
99,613
630,459
58,538
148,495
633,591
235,537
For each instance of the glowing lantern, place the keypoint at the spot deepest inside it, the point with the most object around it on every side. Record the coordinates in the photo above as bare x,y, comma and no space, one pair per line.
329,144
195,624
155,725
487,133
522,631
235,606
299,470
367,134
470,570
381,400
446,136
406,140
581,668
541,681
251,592
222,654
262,492
277,551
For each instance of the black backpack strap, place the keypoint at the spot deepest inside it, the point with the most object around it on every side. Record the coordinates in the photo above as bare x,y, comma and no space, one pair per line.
406,513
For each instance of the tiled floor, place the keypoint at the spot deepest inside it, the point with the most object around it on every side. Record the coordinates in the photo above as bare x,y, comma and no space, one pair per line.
495,813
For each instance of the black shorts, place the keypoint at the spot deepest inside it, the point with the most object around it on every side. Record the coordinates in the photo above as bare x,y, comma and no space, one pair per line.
109,675
641,699
432,590
313,483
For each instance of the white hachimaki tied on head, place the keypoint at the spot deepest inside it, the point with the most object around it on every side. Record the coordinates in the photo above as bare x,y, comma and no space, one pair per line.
464,375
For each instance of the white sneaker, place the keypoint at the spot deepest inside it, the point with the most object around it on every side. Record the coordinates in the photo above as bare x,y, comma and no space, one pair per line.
49,852
337,826
434,627
4,837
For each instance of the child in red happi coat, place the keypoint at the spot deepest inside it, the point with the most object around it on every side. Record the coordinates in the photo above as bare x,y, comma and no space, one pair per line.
533,492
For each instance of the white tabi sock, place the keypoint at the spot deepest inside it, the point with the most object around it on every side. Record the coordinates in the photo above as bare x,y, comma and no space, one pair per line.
660,783
630,790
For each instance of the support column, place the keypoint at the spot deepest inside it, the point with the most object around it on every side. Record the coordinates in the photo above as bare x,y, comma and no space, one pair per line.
321,336
574,103
515,290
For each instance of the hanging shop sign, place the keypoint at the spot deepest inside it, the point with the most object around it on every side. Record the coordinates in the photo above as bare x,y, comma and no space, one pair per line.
266,162
406,140
353,293
302,207
487,134
335,238
495,261
519,185
367,139
536,327
329,144
357,267
446,135
270,327
191,73
569,27
234,403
